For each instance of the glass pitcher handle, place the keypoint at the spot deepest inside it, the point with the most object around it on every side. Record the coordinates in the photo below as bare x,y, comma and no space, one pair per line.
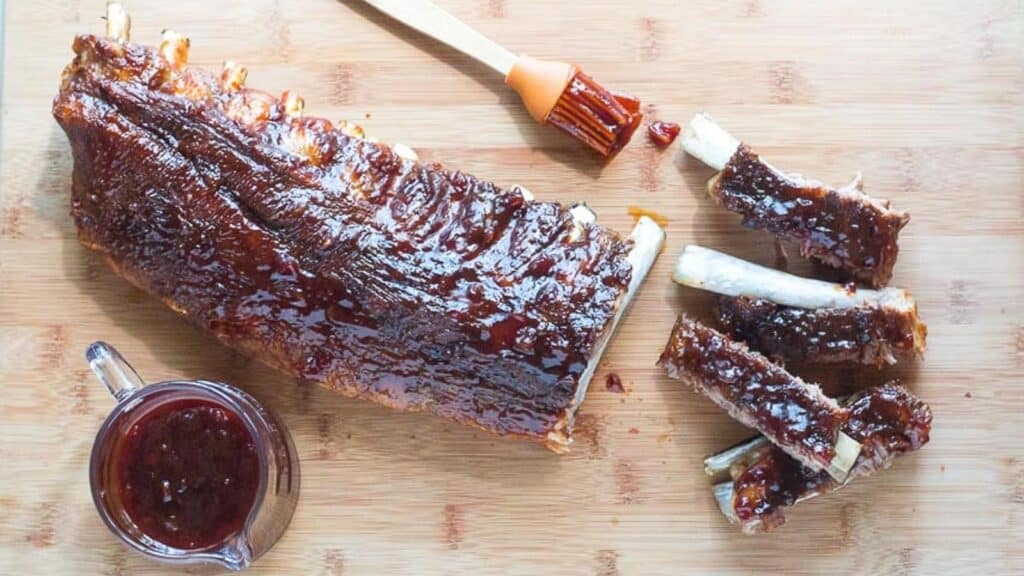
112,369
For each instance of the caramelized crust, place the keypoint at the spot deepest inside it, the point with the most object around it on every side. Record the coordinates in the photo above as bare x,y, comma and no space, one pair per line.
888,421
843,228
869,334
331,257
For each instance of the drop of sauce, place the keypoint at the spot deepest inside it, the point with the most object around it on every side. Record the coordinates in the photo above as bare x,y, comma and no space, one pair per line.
614,384
187,473
636,212
663,133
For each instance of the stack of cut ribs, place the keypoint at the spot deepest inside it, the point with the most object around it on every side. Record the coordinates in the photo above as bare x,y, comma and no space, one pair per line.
809,443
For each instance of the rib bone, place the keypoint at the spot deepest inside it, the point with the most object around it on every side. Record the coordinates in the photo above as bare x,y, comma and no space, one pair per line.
174,48
708,142
232,78
794,318
119,24
292,103
714,271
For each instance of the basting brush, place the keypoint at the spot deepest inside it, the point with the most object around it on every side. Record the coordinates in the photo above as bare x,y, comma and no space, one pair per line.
555,93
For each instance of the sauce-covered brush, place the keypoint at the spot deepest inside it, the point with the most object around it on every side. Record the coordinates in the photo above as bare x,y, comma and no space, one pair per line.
555,93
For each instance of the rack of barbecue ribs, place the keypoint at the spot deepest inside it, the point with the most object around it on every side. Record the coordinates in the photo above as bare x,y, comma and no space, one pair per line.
335,258
842,227
787,317
794,415
762,481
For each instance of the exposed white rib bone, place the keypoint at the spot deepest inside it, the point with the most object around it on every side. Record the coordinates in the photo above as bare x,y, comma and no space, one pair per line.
232,77
708,142
714,271
718,464
648,238
293,104
527,195
404,152
119,24
723,496
582,216
847,451
350,129
174,48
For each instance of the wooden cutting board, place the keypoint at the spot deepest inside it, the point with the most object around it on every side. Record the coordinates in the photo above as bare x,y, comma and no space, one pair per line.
925,98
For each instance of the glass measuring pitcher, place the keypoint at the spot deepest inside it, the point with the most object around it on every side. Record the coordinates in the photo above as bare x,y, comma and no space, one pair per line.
190,472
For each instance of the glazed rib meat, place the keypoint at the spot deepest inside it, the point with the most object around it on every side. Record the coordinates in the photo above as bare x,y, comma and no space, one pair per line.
865,334
842,227
794,415
887,420
792,318
332,257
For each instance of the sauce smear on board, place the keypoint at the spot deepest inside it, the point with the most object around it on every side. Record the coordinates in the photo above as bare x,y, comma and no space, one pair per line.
614,384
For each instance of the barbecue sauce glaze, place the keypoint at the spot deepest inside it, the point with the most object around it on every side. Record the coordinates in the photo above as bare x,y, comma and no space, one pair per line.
781,405
837,227
187,473
888,422
590,113
860,334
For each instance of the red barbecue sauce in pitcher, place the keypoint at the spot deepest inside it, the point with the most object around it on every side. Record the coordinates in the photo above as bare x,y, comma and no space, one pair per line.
187,473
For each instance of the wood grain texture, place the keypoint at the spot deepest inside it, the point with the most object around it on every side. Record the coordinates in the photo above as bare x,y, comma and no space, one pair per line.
924,97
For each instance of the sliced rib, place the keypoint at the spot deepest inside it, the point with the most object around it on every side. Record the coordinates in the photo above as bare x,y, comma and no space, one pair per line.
888,421
865,334
792,414
793,318
842,227
335,258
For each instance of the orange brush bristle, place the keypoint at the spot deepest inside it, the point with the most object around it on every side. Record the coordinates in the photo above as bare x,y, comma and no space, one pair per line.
560,94
594,116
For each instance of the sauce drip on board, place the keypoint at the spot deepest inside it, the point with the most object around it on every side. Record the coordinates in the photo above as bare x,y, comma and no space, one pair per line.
187,473
613,383
638,212
663,133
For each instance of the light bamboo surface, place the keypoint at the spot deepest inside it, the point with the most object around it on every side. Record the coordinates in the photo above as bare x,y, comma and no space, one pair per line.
924,97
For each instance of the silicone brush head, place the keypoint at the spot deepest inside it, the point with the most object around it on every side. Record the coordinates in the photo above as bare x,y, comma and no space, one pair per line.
561,94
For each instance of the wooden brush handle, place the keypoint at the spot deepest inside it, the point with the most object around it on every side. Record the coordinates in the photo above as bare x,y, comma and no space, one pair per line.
431,20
